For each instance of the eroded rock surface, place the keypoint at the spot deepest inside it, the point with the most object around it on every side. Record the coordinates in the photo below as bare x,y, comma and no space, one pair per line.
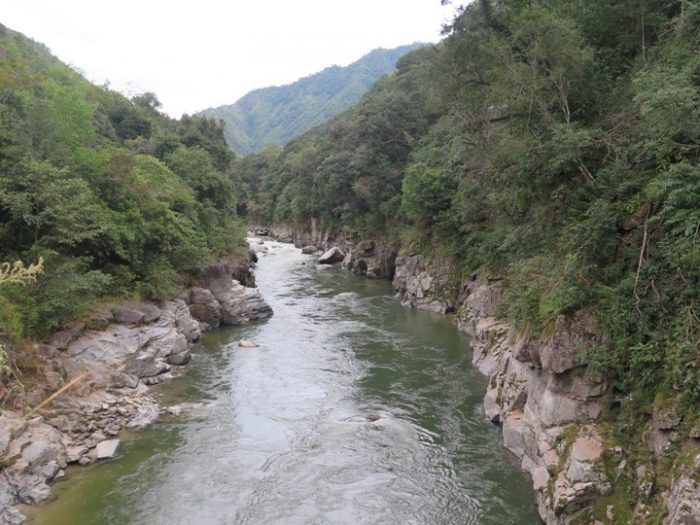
114,357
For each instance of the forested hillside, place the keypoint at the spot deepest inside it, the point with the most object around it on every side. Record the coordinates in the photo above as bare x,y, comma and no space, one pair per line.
115,198
554,144
276,115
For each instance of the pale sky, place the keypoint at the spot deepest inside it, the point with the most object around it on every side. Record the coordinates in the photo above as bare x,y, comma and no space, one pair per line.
198,54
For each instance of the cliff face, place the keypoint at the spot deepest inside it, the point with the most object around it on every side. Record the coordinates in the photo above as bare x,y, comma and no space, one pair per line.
551,410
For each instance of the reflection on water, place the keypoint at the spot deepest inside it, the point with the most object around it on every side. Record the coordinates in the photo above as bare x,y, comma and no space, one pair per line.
353,410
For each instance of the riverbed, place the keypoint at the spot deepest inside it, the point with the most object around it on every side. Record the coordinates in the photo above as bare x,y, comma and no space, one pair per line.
352,410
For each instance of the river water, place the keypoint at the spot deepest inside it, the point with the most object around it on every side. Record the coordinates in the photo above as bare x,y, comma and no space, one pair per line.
353,410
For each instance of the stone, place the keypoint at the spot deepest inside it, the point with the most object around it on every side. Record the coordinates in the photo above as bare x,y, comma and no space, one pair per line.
666,414
125,380
570,338
512,433
151,313
180,359
60,340
143,366
74,453
30,489
491,406
658,441
309,250
49,471
684,499
244,343
332,256
204,307
11,426
107,449
540,478
587,449
127,314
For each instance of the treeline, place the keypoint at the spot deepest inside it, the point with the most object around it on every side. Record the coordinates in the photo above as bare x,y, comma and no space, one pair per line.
116,198
553,143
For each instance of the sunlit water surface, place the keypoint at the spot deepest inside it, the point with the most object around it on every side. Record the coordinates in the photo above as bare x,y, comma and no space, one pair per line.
353,410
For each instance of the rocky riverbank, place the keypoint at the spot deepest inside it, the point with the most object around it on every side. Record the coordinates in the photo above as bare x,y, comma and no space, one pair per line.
375,259
112,359
551,409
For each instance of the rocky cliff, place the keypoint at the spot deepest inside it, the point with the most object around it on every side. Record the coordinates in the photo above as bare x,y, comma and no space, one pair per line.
552,410
111,359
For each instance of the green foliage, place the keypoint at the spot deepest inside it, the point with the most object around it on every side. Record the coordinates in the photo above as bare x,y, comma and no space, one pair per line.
276,115
67,291
553,143
117,198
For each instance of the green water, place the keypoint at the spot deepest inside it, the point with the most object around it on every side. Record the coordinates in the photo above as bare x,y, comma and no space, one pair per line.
353,410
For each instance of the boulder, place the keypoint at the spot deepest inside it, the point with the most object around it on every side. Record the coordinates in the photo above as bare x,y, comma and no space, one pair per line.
74,453
107,449
127,314
180,359
240,305
30,489
666,414
70,332
247,344
204,307
563,349
332,256
176,314
309,250
146,366
122,379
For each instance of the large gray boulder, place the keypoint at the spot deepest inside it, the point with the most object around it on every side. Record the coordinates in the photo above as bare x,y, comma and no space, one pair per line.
332,256
204,307
107,449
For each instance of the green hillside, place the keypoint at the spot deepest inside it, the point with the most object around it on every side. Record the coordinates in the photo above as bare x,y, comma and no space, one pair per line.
116,198
555,144
276,115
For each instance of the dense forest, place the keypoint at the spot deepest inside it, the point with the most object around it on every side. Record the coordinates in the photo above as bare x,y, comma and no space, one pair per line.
108,195
552,143
276,115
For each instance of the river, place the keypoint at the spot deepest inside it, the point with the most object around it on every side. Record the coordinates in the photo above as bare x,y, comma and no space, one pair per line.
353,410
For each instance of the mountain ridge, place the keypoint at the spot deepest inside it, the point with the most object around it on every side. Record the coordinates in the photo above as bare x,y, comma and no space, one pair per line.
278,114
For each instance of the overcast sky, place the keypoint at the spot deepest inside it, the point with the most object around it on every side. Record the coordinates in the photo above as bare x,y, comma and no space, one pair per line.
203,53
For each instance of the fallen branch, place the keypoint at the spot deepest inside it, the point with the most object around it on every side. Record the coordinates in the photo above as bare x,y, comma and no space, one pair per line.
640,262
55,395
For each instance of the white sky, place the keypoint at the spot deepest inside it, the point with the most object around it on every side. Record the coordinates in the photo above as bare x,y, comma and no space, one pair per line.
198,54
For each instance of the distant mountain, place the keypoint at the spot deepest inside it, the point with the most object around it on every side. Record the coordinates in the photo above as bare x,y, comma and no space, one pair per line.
276,115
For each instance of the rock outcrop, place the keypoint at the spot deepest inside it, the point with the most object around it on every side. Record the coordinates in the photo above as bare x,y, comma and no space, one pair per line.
331,256
370,258
683,502
112,359
538,390
424,285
